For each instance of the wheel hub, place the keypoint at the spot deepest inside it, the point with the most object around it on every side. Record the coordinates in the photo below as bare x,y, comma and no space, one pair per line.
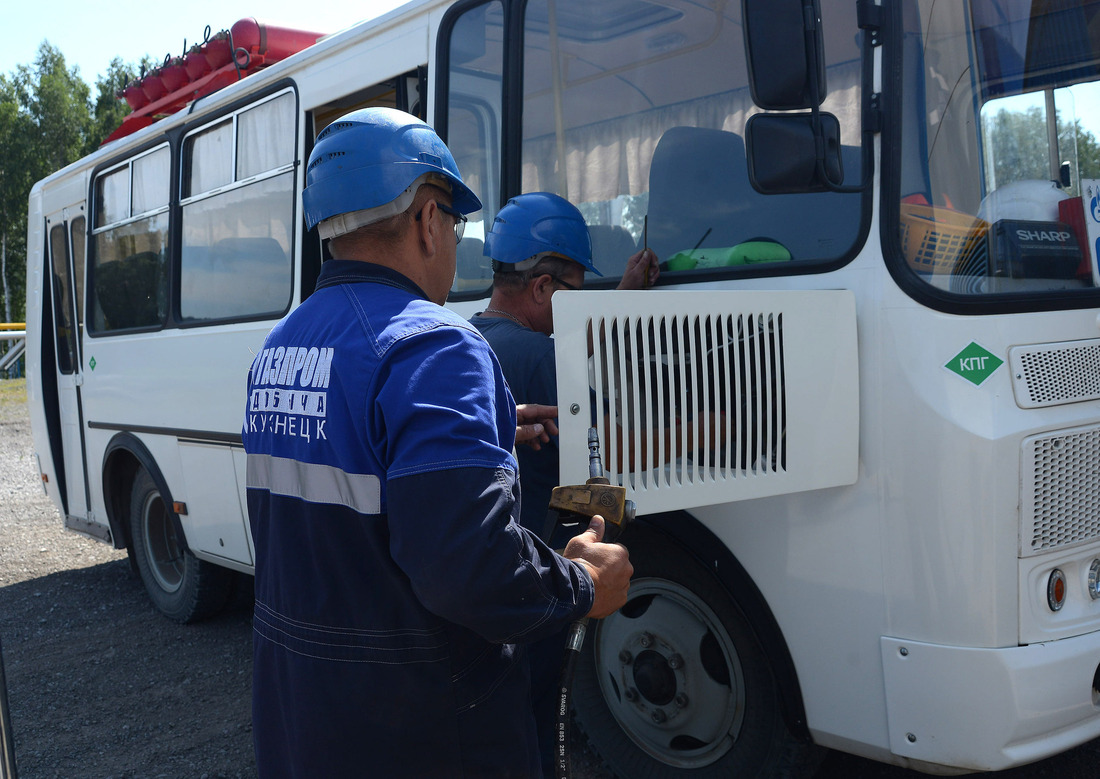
654,678
670,674
162,547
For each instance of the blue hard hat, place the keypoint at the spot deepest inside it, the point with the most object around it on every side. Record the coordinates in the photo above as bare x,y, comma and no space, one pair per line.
369,157
533,224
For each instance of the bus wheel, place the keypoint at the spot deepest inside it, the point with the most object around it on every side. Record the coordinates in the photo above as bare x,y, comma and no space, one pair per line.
675,685
182,587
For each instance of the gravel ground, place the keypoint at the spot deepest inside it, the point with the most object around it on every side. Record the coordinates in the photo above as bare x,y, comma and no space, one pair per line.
100,685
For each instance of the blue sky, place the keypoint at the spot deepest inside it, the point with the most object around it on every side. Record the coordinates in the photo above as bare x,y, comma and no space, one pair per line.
91,38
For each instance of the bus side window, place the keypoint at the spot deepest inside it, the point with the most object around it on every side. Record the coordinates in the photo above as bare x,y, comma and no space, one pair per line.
237,211
129,273
129,291
612,246
62,300
76,232
234,277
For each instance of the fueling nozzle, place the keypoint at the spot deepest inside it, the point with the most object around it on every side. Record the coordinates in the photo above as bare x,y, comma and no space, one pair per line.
596,496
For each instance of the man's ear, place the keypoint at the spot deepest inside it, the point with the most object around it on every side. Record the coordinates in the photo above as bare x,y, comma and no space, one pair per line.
542,287
428,228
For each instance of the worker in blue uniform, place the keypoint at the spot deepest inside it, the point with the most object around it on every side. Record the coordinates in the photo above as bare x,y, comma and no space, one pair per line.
539,244
395,590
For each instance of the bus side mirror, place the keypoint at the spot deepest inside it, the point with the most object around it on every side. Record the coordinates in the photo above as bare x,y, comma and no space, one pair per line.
783,153
785,53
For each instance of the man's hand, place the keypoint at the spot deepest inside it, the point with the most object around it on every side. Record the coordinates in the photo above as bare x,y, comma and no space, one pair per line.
608,564
642,271
535,424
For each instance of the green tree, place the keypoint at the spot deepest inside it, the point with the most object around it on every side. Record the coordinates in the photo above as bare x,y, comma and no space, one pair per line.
109,110
47,120
45,123
1017,142
1088,153
16,133
57,101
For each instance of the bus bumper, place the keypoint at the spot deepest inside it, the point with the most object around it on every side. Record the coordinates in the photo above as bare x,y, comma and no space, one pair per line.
990,709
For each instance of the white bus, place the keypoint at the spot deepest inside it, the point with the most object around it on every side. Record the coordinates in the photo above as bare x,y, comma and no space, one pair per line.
877,335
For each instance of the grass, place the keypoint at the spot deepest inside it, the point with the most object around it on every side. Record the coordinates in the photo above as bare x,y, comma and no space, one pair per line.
12,391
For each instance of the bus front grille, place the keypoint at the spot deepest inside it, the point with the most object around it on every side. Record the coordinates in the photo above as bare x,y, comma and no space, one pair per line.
1053,374
1060,506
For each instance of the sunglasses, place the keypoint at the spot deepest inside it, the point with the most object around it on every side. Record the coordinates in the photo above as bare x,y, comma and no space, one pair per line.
460,219
563,282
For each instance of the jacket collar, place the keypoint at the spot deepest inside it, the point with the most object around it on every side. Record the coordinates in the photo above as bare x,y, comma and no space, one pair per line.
335,272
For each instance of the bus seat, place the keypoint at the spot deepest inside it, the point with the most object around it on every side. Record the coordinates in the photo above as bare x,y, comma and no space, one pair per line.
612,246
130,292
697,180
699,193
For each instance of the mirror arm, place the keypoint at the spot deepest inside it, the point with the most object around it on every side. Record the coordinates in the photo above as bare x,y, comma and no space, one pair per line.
811,23
869,18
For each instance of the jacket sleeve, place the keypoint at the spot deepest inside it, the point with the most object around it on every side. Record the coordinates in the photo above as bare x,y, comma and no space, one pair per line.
452,534
449,427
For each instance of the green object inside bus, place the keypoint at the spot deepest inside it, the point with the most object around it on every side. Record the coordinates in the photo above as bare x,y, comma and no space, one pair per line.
745,253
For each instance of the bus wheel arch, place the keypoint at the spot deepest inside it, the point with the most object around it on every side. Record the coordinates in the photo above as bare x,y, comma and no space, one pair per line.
124,457
182,587
641,697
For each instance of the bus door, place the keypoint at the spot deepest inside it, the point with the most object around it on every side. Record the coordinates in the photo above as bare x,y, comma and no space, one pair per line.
66,240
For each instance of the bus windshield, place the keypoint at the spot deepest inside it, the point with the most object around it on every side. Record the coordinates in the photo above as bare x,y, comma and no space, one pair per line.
1000,163
636,112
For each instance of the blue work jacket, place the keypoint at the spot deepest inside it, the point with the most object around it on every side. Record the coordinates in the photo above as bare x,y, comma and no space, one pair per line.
394,587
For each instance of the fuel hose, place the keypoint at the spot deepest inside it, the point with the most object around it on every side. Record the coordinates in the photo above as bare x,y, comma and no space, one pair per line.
573,643
597,495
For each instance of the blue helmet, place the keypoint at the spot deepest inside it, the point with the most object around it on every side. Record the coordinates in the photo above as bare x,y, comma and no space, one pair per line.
369,158
533,224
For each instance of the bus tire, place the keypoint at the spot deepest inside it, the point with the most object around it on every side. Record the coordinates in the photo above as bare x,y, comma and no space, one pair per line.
676,685
182,587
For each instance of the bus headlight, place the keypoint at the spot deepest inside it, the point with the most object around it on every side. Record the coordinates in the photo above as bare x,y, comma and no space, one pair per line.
1056,589
1094,579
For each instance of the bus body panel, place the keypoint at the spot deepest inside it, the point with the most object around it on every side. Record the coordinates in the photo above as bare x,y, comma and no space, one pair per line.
209,482
358,61
1051,683
142,393
182,383
37,305
55,207
923,546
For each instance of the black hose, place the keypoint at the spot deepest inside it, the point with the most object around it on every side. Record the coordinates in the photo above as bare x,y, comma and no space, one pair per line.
233,54
575,640
573,644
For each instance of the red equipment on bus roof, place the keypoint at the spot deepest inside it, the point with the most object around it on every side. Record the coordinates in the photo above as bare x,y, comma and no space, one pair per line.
217,62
